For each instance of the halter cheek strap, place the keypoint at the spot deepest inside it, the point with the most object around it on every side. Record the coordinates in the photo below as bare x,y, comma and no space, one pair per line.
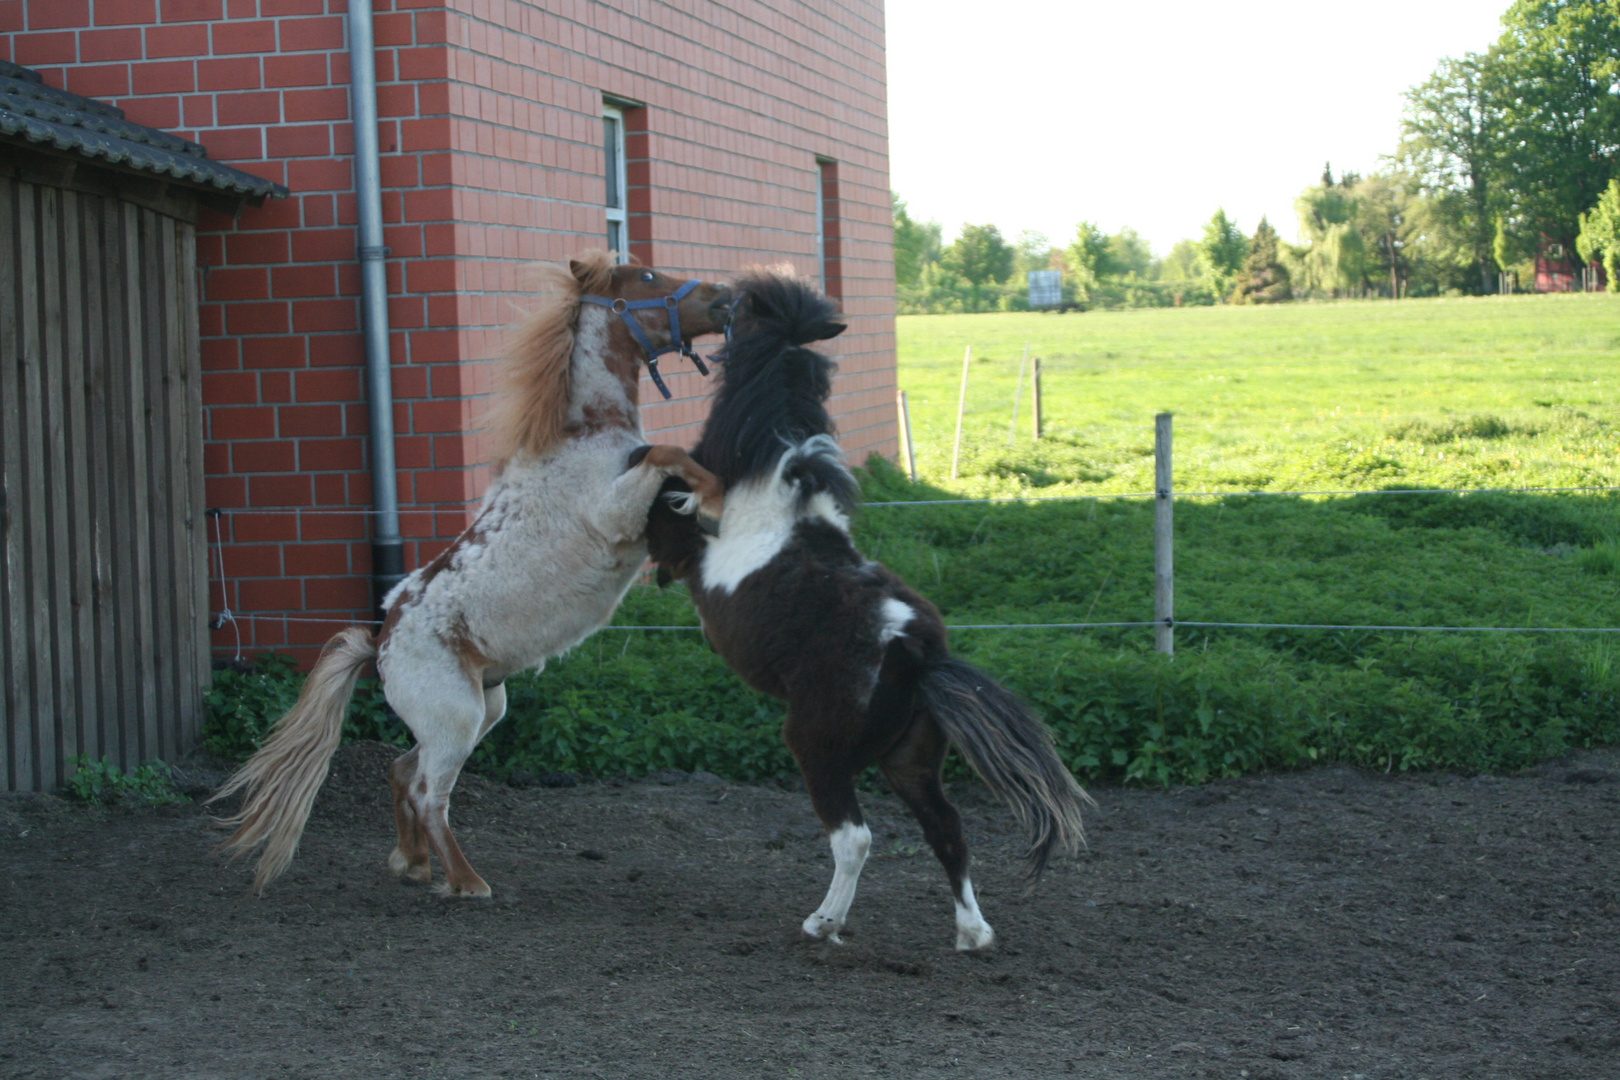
677,344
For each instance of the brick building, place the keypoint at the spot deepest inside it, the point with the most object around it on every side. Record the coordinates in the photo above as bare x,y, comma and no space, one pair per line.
751,131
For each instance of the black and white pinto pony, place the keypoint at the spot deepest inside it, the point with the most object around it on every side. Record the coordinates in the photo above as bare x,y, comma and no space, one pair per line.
858,655
556,544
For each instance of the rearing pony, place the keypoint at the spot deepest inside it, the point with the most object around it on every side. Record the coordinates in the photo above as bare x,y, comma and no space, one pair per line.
557,542
858,655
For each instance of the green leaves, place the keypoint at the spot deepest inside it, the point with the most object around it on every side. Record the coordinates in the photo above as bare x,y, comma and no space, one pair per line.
102,782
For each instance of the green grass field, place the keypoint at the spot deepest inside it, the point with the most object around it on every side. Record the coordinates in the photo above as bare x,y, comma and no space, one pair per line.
1496,391
1513,392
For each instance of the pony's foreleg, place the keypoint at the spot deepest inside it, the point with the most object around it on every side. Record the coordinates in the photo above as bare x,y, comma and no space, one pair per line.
913,771
708,492
624,516
409,858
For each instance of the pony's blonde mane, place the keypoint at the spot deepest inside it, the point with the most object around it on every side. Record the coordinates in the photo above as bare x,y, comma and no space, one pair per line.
532,415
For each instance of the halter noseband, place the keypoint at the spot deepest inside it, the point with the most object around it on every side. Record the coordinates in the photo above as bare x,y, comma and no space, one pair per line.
678,345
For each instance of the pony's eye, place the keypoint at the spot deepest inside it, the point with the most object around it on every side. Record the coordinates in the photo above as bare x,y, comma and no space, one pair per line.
648,276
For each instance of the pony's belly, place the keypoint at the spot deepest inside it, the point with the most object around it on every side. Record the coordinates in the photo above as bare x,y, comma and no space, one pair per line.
554,616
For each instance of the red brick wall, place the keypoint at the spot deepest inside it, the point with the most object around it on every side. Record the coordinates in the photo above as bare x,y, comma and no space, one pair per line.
492,160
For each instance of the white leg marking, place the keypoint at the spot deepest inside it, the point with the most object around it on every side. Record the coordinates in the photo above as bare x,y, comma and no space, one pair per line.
972,932
850,845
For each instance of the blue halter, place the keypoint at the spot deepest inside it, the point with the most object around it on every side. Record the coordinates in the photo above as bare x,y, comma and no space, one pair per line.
678,345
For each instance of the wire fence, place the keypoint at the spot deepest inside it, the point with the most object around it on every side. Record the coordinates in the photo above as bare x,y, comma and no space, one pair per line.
1163,623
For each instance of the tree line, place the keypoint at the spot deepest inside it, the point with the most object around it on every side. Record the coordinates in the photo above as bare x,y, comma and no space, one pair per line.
1504,155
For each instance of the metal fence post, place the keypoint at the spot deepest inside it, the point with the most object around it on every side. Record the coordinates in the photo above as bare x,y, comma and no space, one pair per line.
961,406
1164,574
905,435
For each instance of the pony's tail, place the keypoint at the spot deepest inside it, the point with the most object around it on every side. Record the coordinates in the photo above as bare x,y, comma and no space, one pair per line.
283,776
1010,748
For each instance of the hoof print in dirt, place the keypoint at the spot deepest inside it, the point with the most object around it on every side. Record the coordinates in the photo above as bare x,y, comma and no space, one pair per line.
592,854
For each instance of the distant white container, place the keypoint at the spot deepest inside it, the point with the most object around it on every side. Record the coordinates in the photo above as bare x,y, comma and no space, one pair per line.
1045,288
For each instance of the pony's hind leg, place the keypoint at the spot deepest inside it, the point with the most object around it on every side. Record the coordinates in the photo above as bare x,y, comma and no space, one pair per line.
409,859
448,712
831,785
913,770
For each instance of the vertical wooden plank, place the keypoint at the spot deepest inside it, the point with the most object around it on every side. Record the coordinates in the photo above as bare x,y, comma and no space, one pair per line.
177,523
56,633
34,501
78,263
160,643
143,703
116,541
196,516
16,700
100,261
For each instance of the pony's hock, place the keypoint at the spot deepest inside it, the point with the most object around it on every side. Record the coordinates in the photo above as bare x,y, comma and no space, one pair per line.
557,542
858,655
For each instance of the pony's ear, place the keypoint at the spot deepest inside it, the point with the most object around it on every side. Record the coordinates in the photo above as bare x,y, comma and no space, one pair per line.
581,271
826,331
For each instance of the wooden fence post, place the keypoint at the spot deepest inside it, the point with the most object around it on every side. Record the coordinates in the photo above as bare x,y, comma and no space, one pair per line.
961,404
1036,387
905,435
1164,575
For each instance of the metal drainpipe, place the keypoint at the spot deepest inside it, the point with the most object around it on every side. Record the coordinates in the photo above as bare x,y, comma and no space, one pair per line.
387,549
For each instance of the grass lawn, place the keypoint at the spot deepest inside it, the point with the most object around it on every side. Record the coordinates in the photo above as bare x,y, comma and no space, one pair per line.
1497,391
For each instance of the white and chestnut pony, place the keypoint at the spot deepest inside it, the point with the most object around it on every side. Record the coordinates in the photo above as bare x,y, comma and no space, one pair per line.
860,658
556,544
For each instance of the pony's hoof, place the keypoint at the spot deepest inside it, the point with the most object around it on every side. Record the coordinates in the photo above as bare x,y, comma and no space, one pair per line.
638,455
707,524
477,889
403,867
974,938
820,928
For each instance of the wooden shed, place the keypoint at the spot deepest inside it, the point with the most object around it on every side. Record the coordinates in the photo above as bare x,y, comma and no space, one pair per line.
104,645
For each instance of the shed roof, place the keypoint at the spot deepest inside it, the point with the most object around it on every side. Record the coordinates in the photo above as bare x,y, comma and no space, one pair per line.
57,119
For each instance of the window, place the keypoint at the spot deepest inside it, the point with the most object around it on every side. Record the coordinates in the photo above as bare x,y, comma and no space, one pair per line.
828,228
618,232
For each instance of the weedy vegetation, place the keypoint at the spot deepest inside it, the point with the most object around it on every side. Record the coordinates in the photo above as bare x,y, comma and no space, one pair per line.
103,783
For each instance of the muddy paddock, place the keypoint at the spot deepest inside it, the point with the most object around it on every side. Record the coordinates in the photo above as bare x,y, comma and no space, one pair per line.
1314,925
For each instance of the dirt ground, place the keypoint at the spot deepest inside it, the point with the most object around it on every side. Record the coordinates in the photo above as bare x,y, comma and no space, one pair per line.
1316,925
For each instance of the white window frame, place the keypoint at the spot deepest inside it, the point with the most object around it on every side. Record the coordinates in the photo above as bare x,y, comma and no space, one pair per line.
618,217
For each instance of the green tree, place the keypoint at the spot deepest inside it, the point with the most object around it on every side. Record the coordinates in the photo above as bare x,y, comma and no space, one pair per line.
1332,263
1221,252
1383,217
980,255
1086,259
1182,262
1032,251
1600,234
916,244
1555,70
1264,279
1128,253
1450,137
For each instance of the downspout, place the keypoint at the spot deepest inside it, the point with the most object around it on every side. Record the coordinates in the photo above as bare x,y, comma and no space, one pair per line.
387,549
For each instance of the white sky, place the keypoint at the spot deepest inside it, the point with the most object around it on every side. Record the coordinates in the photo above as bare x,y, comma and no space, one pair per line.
1037,114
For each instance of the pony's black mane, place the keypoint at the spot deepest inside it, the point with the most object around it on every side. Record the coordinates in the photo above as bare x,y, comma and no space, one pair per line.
773,390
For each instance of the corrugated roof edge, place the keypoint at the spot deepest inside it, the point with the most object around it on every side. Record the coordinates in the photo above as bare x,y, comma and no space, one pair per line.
32,111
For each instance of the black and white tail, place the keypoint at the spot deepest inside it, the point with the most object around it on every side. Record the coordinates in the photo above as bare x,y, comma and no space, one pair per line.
1010,748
